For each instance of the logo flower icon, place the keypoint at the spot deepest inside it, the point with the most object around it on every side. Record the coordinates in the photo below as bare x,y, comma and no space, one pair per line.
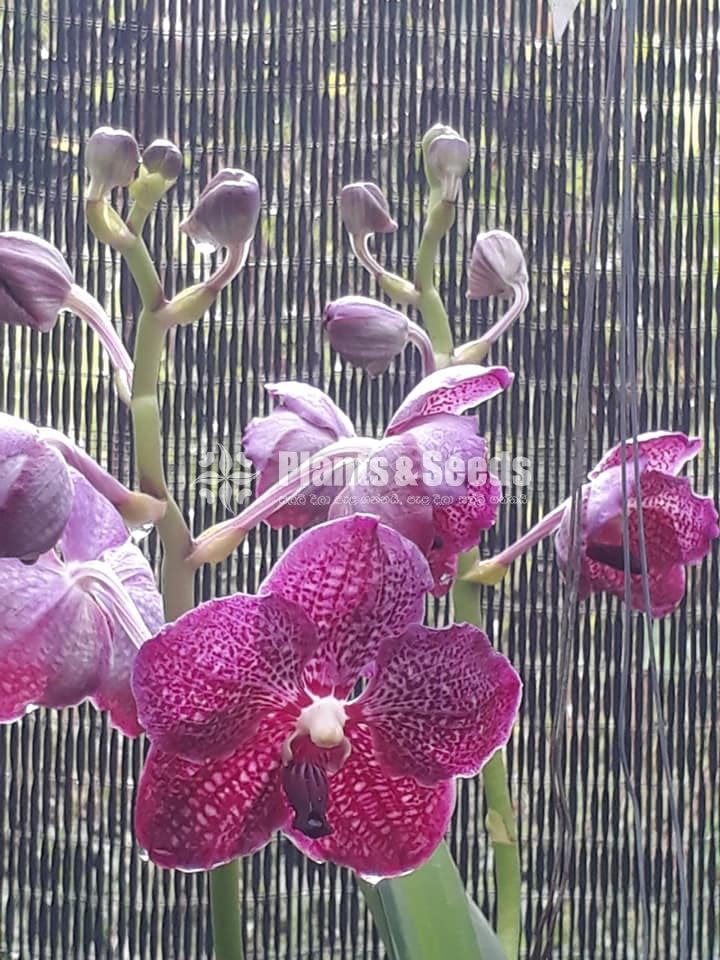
227,478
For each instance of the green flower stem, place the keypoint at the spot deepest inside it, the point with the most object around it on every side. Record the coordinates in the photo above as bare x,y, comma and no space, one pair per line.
441,216
178,575
500,820
227,935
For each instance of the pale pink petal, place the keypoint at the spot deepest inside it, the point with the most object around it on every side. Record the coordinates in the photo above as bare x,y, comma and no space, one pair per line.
450,390
114,692
313,405
381,826
359,582
94,524
205,683
440,703
54,639
660,450
195,816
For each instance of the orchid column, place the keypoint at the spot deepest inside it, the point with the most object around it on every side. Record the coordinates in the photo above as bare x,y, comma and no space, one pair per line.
225,216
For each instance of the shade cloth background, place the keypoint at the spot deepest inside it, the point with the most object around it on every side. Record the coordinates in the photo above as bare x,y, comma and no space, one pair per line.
308,96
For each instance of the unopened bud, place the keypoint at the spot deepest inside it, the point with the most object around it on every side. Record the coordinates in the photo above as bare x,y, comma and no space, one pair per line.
226,212
365,332
365,210
497,265
163,157
447,159
111,157
35,281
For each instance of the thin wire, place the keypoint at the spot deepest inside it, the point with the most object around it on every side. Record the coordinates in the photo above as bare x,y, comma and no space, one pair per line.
629,383
627,310
543,947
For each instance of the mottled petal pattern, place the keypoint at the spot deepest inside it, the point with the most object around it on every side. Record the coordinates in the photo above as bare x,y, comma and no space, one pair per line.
114,692
440,703
94,524
195,816
204,684
54,639
381,826
359,582
659,450
450,390
679,525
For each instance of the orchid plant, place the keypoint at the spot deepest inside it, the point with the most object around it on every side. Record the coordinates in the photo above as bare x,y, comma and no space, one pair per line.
322,706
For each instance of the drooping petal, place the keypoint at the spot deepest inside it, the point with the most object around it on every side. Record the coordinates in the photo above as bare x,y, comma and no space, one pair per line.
450,390
313,405
204,684
440,703
114,692
195,816
35,491
359,582
381,826
659,450
54,639
94,524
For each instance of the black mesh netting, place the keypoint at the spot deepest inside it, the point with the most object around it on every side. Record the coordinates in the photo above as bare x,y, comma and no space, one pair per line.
309,95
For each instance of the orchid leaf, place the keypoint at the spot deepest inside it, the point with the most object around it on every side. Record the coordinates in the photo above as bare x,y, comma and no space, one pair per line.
425,915
490,946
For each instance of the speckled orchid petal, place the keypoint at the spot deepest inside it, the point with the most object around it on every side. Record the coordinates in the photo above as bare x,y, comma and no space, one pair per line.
381,826
439,492
195,816
114,692
450,390
204,684
440,703
54,640
359,582
679,529
659,450
35,491
94,524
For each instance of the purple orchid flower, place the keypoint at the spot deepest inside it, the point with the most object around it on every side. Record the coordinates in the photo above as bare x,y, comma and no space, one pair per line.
402,479
679,525
248,703
305,421
72,622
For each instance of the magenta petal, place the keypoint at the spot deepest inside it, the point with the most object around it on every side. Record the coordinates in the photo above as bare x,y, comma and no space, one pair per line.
679,525
381,826
358,581
440,703
114,692
195,816
54,639
94,524
205,683
450,390
660,450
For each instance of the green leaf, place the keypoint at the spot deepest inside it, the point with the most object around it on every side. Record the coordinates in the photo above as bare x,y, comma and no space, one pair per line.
490,946
426,915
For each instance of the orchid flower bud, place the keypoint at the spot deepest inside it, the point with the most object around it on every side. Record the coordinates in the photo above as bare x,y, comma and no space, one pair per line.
111,157
365,210
36,284
163,157
369,334
226,212
35,281
36,492
497,265
447,159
